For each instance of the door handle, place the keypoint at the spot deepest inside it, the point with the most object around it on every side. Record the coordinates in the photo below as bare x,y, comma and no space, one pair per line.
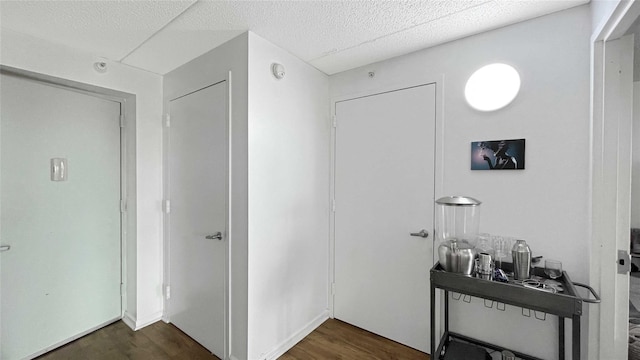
4,248
216,236
423,233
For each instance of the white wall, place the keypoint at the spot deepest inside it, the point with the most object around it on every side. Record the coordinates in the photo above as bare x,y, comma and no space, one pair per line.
289,132
280,191
635,171
545,204
144,295
205,70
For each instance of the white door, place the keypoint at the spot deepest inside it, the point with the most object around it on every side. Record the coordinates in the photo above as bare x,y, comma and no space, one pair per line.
612,124
62,275
616,169
384,189
198,195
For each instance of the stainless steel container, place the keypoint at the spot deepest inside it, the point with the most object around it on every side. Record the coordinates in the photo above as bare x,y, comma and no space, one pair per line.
457,256
484,262
521,260
484,266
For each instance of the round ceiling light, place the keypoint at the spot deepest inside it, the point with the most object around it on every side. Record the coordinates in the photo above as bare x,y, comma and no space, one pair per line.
492,87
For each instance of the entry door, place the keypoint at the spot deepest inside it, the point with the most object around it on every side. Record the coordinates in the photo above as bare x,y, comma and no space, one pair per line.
61,276
198,215
384,189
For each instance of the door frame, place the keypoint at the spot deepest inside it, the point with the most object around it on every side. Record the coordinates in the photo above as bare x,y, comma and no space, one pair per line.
166,211
128,218
610,181
438,81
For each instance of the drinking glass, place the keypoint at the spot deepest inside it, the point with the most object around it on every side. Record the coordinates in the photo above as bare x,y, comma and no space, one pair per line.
501,247
484,244
553,268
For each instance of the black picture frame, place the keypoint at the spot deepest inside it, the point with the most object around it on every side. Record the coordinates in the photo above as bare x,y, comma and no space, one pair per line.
498,154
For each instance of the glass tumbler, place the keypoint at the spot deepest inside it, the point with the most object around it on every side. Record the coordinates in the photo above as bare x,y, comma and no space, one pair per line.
484,244
553,268
501,247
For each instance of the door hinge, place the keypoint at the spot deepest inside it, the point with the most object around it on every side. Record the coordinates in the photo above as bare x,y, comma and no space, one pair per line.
121,120
167,120
122,289
166,207
333,205
335,121
624,262
123,205
333,288
167,292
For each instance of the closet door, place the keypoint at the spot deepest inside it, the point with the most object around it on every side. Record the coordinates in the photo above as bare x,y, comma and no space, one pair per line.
198,216
384,189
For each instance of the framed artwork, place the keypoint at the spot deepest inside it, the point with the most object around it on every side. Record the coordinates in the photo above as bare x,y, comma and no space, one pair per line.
498,155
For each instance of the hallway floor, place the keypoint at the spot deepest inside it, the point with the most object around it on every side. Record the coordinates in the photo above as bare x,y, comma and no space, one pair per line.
118,342
334,339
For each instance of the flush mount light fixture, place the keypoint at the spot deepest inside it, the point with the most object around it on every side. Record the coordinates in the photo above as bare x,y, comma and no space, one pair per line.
492,87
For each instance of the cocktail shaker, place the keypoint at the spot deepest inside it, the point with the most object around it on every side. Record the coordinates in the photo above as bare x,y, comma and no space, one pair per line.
521,260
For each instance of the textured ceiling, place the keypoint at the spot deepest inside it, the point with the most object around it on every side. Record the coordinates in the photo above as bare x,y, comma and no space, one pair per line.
105,28
333,36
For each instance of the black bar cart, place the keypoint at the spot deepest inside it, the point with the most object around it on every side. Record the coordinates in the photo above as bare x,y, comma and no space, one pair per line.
566,305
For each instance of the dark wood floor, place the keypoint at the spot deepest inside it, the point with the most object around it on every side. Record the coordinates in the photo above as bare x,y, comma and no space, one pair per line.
117,341
334,339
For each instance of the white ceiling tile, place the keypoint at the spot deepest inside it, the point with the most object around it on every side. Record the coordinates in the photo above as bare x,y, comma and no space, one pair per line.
105,28
476,20
204,26
171,49
313,29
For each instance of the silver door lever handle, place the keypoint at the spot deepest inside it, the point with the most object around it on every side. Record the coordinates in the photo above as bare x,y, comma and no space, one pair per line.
423,233
216,236
5,248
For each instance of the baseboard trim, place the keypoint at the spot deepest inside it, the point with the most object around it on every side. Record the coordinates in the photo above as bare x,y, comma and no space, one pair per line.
129,321
298,336
66,341
148,320
136,324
